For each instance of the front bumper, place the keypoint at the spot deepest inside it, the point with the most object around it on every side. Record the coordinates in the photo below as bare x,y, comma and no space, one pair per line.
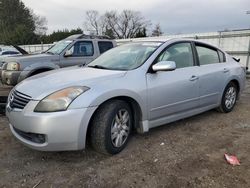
10,77
57,131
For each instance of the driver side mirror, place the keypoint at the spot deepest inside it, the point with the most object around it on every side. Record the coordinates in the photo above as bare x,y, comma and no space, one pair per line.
164,66
68,53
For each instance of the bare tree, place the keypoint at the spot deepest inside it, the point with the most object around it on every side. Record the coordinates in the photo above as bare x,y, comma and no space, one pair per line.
40,24
126,24
157,31
94,22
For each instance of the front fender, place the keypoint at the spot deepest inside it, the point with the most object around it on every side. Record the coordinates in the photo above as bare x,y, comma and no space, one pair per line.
93,99
34,67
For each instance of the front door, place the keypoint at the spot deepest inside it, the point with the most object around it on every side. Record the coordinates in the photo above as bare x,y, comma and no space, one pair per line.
82,53
173,92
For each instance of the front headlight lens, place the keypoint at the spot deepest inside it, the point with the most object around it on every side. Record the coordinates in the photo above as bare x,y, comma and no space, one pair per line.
13,66
60,100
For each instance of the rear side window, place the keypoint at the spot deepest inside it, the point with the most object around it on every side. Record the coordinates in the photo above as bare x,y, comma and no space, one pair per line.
221,56
207,55
104,46
9,53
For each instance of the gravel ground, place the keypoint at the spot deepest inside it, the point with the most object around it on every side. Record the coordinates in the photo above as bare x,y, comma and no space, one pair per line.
187,153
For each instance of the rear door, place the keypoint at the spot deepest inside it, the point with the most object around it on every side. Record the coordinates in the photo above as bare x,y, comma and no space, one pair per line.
173,92
213,73
82,53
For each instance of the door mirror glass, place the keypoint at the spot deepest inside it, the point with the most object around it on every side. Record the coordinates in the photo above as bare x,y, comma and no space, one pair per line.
68,53
164,66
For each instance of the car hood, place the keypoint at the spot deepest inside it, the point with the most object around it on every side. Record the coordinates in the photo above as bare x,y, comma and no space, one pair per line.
4,57
42,85
32,58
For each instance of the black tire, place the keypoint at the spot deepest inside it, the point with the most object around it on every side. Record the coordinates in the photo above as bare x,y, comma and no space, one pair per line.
103,121
224,108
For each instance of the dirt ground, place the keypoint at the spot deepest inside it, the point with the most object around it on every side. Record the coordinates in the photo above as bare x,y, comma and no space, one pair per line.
187,153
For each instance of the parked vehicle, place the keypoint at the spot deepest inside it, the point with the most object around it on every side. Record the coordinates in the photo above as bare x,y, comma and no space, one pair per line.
74,50
137,86
9,51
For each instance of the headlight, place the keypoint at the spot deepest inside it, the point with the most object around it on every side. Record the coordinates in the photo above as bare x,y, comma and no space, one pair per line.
13,66
60,100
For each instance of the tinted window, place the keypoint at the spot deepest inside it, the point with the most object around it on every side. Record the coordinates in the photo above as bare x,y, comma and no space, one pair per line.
6,53
82,48
180,53
221,55
104,46
9,53
207,55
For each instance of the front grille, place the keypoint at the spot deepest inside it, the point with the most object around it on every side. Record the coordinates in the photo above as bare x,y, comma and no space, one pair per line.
18,99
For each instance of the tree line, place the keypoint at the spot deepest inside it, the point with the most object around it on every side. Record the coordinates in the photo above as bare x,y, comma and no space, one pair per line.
20,25
126,24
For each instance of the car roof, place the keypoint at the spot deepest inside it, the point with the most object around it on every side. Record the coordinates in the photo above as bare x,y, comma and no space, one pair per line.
83,36
172,40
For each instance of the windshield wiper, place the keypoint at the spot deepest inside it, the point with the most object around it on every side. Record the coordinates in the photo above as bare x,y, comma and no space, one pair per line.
98,67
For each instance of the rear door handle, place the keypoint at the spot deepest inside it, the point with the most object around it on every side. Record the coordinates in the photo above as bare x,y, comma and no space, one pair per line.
225,70
193,78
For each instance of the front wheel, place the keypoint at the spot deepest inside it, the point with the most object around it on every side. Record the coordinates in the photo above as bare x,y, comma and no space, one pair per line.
229,98
111,127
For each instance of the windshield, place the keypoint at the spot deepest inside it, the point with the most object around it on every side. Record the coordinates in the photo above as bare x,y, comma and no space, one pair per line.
59,47
125,57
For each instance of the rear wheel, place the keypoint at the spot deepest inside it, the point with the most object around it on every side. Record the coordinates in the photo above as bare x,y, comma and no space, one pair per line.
111,127
229,98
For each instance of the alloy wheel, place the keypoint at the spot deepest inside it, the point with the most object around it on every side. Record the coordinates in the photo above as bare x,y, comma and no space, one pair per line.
120,128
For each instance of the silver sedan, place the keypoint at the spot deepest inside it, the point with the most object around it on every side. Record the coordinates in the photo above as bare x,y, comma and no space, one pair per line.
136,86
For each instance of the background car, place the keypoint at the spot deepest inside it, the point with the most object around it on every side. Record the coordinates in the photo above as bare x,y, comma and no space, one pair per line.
75,50
136,86
8,51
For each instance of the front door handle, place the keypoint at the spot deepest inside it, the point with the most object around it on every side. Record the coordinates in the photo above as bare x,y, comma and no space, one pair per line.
225,70
193,78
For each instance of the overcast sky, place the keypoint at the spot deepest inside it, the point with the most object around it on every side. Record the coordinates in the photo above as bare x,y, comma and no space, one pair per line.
179,16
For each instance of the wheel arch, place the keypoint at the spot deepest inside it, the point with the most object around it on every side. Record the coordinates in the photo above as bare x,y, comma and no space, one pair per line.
134,106
27,71
236,82
39,70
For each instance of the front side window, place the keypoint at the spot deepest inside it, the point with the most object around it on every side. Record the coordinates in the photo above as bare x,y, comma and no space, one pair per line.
82,48
207,55
180,53
104,46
